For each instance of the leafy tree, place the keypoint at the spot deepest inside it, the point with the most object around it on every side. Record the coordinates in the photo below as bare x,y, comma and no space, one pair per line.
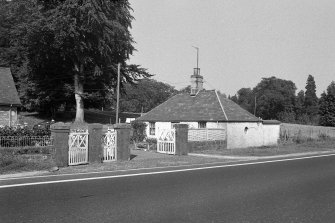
72,47
327,106
146,94
274,96
311,100
245,98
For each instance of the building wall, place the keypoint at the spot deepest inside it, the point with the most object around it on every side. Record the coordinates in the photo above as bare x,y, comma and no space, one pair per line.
271,134
168,125
250,134
5,112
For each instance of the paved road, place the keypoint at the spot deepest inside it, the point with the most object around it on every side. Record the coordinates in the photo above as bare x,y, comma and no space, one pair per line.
290,191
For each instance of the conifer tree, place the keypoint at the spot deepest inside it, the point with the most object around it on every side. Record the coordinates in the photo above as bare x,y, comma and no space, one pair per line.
327,106
311,100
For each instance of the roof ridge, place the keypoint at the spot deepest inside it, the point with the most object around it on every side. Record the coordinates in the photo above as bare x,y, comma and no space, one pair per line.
225,115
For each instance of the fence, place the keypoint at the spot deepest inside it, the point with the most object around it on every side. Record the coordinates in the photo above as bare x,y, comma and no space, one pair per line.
25,141
206,134
289,132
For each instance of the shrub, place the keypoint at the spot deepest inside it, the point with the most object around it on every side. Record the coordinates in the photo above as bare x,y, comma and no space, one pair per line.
138,131
37,130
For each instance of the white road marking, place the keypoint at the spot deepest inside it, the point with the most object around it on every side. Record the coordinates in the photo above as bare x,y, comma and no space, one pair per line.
162,172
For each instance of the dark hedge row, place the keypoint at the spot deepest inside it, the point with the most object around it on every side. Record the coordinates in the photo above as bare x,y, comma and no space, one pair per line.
42,130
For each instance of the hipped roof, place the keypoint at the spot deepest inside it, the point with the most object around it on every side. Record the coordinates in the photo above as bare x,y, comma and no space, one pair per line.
8,92
207,105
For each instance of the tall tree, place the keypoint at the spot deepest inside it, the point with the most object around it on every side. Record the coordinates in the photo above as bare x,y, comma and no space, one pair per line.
245,98
327,106
145,95
73,47
275,98
311,100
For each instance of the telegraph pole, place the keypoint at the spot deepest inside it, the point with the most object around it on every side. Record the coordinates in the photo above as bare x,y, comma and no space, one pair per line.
118,93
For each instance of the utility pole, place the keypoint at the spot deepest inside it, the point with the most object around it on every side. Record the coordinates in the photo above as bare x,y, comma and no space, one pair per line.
255,107
117,93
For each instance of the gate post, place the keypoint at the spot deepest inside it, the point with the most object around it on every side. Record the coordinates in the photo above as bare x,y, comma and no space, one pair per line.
123,139
60,133
94,144
181,139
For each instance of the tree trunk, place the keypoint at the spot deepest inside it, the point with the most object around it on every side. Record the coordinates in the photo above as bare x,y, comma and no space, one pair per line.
78,93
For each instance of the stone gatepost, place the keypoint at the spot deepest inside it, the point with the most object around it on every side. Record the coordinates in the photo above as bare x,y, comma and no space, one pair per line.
95,151
123,140
181,139
60,134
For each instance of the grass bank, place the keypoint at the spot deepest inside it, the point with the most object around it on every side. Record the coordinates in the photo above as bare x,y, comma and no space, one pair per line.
281,149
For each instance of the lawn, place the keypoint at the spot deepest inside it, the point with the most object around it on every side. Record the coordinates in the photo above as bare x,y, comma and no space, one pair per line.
149,159
141,159
281,149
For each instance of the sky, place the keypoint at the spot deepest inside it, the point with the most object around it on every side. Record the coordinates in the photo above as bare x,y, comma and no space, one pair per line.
240,41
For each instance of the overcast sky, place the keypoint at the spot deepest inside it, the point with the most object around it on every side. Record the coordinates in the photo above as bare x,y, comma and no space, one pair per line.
240,41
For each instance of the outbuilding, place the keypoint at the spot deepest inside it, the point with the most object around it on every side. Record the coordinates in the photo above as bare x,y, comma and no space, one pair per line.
9,98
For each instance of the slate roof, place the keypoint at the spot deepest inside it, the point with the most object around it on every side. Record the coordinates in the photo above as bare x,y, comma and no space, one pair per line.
207,105
8,92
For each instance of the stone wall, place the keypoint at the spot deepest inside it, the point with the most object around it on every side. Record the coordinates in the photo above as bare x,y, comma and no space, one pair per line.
206,145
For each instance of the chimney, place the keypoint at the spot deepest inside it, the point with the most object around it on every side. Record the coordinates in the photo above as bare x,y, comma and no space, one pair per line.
196,82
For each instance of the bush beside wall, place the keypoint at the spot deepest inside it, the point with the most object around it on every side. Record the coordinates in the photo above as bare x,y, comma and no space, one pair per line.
206,145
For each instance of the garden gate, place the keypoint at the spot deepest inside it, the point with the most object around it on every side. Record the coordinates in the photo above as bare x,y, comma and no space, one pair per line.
109,145
166,141
78,147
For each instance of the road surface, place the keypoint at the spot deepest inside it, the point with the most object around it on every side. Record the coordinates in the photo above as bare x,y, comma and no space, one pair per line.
300,190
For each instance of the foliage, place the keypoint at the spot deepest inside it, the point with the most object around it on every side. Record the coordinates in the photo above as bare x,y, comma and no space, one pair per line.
274,96
311,100
138,131
67,48
245,98
144,95
43,130
327,106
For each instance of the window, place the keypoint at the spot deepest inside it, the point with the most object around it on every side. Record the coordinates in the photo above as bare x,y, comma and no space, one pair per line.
173,123
201,125
152,128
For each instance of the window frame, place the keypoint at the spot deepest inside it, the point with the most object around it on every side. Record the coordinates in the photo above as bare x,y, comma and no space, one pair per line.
152,128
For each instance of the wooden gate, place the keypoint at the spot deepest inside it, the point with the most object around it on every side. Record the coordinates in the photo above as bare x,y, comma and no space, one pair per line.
78,147
109,145
166,141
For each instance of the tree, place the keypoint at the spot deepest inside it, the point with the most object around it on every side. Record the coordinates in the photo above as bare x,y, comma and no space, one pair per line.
327,106
311,100
146,94
73,47
274,96
245,98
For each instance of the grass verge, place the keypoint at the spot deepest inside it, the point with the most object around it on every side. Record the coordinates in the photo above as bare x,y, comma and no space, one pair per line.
281,149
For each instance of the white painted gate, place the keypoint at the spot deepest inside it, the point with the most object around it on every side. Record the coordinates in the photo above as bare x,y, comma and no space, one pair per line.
109,145
78,147
166,141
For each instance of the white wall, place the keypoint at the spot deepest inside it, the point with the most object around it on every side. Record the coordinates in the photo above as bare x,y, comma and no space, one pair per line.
168,125
271,134
256,135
